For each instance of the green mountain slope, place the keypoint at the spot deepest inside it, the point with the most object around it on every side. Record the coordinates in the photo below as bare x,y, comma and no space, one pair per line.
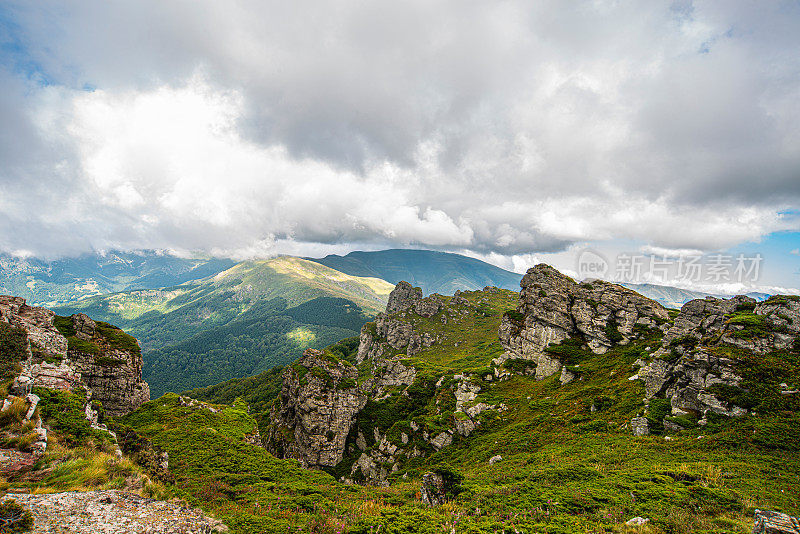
434,272
549,455
49,283
244,320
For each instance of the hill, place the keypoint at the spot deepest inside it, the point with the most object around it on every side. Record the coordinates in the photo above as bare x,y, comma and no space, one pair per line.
244,320
566,408
50,283
675,297
434,272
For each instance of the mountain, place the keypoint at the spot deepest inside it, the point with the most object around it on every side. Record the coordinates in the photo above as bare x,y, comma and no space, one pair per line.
246,319
566,408
434,272
50,283
675,297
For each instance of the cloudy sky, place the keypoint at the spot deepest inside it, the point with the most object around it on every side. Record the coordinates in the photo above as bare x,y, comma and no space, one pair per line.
515,131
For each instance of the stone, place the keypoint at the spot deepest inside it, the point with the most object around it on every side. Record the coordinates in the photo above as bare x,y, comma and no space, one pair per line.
566,376
768,522
113,512
494,459
316,409
637,521
554,308
33,402
402,297
640,426
429,306
442,440
432,490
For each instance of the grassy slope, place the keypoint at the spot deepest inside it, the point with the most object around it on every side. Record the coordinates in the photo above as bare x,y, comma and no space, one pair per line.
434,272
249,318
566,468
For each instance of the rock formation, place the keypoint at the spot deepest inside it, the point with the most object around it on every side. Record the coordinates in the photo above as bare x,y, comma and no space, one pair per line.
403,297
319,401
553,308
77,351
768,522
686,368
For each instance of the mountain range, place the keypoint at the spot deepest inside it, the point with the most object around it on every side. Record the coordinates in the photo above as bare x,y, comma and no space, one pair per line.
434,272
54,282
241,321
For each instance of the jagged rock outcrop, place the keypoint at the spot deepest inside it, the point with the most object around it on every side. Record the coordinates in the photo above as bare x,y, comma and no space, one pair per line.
100,357
403,297
685,369
43,336
114,372
553,307
319,401
760,327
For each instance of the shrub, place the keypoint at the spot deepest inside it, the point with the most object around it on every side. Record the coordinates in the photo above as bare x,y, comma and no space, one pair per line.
13,349
14,518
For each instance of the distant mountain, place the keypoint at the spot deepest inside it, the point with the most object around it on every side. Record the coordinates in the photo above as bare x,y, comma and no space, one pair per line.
249,318
675,297
434,272
50,283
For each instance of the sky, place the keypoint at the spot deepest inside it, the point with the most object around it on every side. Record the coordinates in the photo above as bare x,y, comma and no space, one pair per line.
511,131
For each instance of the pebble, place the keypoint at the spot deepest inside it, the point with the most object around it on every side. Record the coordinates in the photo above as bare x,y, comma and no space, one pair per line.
113,512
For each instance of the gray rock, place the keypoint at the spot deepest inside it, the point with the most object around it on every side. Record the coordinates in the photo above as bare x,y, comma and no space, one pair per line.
768,522
403,297
494,459
555,308
317,407
640,426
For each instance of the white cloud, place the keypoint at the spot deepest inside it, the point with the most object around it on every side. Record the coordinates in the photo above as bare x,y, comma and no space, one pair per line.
509,130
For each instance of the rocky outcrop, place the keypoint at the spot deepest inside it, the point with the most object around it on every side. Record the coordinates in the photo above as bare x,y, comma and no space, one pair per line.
43,336
114,371
760,327
553,307
403,297
319,401
78,351
686,368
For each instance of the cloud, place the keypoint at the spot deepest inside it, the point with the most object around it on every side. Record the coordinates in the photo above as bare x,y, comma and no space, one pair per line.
506,129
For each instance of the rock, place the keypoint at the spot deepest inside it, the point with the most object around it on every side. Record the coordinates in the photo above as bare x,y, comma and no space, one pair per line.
637,521
109,369
37,323
442,440
640,426
494,459
84,327
768,522
113,511
429,306
403,297
554,308
566,376
317,407
33,402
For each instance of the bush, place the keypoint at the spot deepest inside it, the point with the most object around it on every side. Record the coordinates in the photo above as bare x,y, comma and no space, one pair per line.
14,518
13,349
